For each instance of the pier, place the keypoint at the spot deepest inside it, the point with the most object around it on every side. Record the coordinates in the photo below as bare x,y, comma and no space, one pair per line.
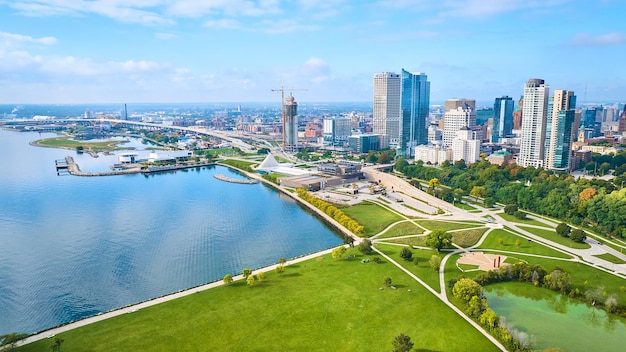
62,166
234,180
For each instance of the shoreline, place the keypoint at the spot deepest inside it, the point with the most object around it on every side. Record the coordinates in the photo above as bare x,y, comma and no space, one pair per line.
53,331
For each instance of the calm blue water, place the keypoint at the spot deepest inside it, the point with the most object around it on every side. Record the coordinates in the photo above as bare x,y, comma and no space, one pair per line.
71,247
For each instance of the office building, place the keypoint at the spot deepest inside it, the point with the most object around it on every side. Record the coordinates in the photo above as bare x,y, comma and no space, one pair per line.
503,118
387,97
415,104
534,119
363,143
560,119
337,130
465,147
432,154
621,127
458,113
290,125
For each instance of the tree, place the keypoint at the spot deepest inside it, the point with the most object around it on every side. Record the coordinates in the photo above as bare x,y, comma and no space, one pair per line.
563,229
402,343
246,273
578,235
478,192
250,280
510,209
282,261
518,243
438,239
9,340
387,281
338,252
406,253
465,289
280,269
260,276
433,183
500,241
365,246
228,278
435,262
56,345
520,215
416,261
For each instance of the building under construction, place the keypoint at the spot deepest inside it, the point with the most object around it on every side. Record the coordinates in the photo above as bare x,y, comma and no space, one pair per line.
290,125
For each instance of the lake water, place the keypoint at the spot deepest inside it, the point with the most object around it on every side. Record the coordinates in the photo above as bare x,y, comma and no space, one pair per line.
71,247
552,320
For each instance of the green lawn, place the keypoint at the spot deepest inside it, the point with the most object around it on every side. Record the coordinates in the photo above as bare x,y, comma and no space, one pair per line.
419,241
464,206
530,247
422,269
325,305
448,225
243,165
512,218
554,237
402,229
372,216
610,258
467,238
65,142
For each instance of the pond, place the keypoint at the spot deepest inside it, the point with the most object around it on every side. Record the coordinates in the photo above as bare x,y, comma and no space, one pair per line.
549,319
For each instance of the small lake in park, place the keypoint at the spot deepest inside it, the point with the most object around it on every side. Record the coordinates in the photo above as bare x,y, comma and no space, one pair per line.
553,320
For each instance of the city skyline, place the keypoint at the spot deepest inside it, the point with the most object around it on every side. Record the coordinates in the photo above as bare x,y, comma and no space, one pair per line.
54,51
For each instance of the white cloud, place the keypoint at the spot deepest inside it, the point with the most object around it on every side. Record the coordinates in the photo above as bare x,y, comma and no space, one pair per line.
8,40
225,23
165,36
584,39
286,26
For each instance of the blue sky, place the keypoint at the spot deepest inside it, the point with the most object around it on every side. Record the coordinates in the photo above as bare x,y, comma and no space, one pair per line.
115,51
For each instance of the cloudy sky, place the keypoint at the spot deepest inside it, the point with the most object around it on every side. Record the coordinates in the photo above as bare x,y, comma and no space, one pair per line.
113,51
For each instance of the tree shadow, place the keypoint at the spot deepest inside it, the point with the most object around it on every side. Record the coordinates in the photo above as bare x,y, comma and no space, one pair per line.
291,275
424,350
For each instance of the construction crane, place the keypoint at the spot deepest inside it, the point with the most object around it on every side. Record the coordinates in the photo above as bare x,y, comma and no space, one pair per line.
282,96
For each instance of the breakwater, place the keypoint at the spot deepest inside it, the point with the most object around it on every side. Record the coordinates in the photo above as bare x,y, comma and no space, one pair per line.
74,169
222,177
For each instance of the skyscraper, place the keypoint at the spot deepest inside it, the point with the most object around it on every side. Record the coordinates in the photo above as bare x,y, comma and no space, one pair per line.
561,114
534,118
290,125
502,119
387,96
458,113
415,105
621,127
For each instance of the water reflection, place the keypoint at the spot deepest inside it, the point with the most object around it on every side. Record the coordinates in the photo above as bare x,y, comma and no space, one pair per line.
549,319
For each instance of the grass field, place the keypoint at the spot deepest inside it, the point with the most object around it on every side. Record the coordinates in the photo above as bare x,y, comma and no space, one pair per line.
422,269
512,218
464,206
65,142
402,229
447,226
419,241
610,258
526,246
467,238
325,305
372,216
243,165
554,237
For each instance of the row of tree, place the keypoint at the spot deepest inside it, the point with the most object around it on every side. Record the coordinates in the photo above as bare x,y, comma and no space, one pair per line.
595,203
332,211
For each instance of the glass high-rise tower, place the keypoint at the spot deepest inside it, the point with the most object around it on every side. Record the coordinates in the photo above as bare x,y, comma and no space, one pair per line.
561,114
415,104
502,118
